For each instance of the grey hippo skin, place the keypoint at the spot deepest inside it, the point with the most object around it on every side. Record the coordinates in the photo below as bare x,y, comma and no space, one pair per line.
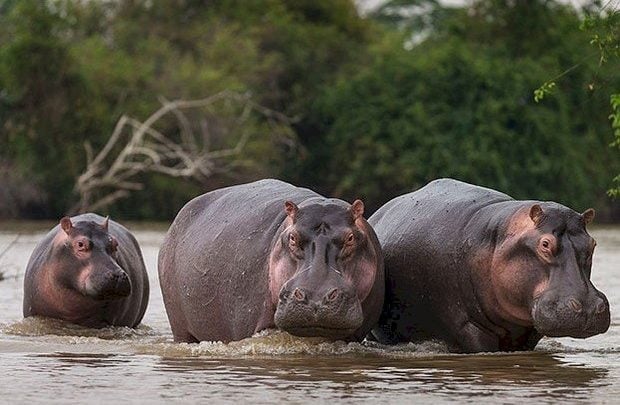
483,272
87,270
268,254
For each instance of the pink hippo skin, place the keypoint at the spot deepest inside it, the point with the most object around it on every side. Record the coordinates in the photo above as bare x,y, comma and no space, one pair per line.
87,270
268,254
484,272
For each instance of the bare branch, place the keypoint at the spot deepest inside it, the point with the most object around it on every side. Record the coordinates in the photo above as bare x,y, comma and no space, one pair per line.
184,151
108,199
10,245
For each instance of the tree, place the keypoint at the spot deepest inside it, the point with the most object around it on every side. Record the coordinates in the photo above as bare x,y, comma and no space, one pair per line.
136,148
458,104
602,23
43,97
85,64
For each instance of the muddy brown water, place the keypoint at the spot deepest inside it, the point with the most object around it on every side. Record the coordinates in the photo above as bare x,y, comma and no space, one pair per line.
51,362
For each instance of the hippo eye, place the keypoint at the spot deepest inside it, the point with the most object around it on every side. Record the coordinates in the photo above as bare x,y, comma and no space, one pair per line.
545,244
350,238
292,240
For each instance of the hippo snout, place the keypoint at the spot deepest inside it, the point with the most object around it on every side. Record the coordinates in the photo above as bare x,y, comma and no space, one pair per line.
122,285
571,316
334,313
109,285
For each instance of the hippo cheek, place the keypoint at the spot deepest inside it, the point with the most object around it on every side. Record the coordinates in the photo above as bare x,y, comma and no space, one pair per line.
335,316
105,284
559,316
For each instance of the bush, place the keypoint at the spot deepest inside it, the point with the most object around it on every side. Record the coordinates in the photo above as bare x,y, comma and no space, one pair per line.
460,105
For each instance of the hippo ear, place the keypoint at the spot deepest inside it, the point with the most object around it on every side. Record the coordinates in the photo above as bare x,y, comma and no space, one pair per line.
536,213
291,209
588,215
105,223
65,224
357,209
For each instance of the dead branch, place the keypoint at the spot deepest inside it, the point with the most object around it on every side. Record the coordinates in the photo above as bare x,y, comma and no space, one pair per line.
10,245
136,147
3,275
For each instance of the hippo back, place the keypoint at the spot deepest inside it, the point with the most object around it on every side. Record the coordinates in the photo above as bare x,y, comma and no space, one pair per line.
483,272
218,246
422,235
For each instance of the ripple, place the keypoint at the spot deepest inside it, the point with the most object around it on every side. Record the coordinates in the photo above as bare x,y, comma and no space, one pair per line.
40,326
279,343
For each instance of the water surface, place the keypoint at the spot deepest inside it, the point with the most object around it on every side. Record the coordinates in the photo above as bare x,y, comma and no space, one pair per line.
49,361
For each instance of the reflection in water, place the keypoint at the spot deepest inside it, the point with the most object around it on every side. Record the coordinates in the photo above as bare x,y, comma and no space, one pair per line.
92,360
533,373
45,360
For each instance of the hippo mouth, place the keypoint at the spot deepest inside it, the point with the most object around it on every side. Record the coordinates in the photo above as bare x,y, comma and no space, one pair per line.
564,323
308,322
589,329
106,285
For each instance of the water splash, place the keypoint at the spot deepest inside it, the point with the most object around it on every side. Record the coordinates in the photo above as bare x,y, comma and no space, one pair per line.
279,343
268,343
145,340
40,326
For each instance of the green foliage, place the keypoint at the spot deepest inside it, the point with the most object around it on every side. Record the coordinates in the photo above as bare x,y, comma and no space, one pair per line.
69,69
615,124
602,24
459,105
545,89
44,95
604,28
382,104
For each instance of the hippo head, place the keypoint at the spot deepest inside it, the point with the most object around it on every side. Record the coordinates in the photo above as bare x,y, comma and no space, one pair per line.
542,273
322,267
87,261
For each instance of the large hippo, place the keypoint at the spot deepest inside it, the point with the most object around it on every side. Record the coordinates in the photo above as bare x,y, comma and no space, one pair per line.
268,254
484,272
88,270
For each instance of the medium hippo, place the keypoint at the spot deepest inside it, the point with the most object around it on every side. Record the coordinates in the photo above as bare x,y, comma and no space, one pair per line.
268,254
484,272
87,270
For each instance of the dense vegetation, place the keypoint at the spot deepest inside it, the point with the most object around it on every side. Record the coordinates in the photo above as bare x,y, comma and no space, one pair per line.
382,104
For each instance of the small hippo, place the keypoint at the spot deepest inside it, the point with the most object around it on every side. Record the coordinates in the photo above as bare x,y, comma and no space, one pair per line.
87,270
484,272
268,254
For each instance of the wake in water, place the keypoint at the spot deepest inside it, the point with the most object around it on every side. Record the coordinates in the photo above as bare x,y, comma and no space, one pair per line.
40,326
279,343
145,340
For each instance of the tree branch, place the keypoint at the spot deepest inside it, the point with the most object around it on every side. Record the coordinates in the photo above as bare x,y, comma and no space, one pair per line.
186,153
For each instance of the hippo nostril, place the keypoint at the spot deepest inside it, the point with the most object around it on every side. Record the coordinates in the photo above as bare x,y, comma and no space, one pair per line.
123,285
601,307
575,305
332,295
299,295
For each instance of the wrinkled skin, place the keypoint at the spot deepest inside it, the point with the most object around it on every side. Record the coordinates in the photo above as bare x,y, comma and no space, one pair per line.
87,270
483,272
270,255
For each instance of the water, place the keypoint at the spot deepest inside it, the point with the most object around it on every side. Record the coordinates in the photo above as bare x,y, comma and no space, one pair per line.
48,361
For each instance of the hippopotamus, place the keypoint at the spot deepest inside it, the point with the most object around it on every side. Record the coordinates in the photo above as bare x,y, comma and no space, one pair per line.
88,270
266,255
482,272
